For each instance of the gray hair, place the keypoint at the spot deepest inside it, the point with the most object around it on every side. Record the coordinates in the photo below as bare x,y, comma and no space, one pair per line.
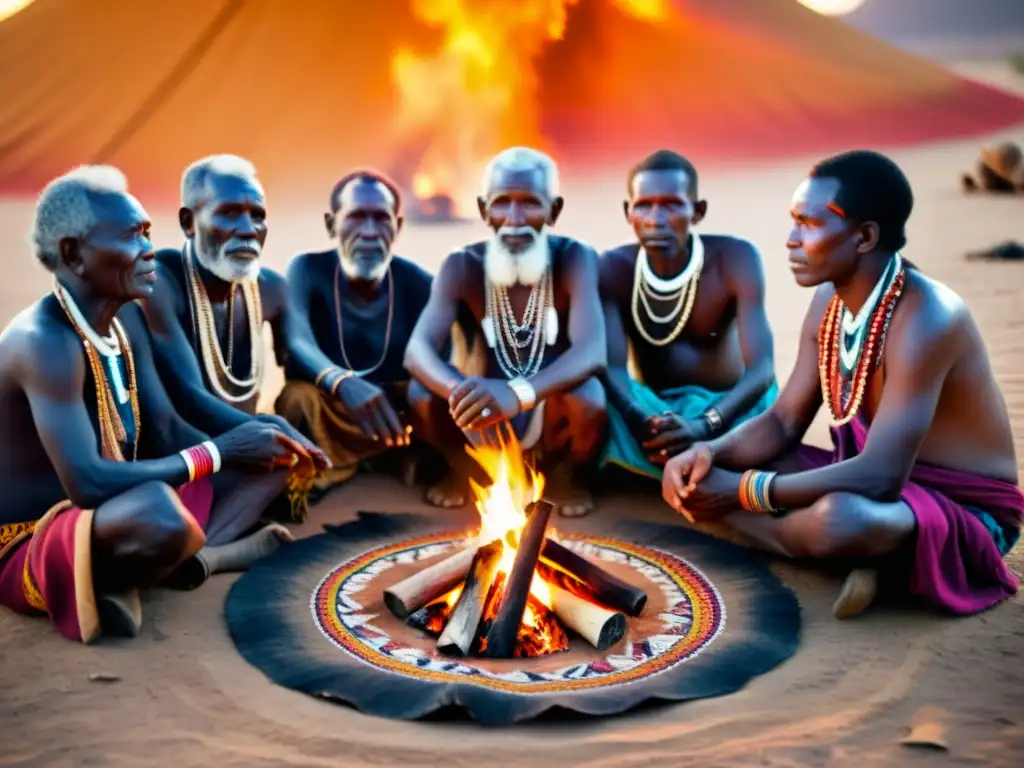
65,208
194,181
522,160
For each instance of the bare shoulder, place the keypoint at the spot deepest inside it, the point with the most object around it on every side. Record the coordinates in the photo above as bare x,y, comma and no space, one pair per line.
461,263
410,273
308,265
615,269
42,353
930,314
573,249
736,258
816,311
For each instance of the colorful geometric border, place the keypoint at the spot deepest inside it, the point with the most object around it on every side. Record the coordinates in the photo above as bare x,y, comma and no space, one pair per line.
268,616
693,619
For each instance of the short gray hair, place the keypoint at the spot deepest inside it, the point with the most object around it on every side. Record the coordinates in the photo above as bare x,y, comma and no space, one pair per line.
523,160
194,180
65,208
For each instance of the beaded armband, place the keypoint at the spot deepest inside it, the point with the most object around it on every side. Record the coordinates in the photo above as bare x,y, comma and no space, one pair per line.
324,374
755,492
342,375
202,460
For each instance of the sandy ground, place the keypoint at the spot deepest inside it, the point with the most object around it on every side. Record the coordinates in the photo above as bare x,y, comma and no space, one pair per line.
185,696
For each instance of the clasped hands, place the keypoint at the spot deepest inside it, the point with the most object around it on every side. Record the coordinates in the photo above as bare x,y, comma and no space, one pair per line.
477,404
666,435
696,489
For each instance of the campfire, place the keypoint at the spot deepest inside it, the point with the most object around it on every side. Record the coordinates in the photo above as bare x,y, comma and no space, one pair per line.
514,591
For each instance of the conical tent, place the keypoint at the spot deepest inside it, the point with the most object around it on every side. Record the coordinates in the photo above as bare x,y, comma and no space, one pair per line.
307,89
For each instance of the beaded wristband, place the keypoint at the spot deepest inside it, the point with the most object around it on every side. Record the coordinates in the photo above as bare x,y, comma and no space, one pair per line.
755,491
324,374
202,460
337,382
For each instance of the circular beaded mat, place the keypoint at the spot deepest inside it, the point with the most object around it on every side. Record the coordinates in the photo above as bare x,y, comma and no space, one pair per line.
312,618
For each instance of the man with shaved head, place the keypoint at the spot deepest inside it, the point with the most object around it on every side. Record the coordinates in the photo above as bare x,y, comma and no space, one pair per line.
211,300
532,297
106,487
353,308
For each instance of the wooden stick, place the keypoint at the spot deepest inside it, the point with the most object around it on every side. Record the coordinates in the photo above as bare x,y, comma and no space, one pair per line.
501,635
598,626
590,580
408,596
460,631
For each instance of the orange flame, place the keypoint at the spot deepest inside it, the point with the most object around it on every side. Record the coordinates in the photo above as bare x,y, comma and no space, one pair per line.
476,94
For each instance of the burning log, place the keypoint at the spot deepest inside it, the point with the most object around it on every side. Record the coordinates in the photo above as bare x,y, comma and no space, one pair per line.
595,624
589,580
460,631
500,641
408,596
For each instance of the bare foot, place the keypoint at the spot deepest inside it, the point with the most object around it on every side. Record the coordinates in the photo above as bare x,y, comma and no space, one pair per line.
450,493
857,594
571,498
239,555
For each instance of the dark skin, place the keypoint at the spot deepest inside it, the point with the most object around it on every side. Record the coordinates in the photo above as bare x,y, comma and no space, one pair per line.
234,208
933,399
568,376
364,223
49,445
727,342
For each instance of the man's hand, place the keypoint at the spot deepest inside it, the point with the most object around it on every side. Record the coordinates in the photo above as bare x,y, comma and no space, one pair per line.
256,446
477,404
670,436
683,473
368,406
309,450
717,494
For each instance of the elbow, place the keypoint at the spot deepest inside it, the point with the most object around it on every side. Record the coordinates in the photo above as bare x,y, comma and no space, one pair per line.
876,481
597,361
412,359
86,490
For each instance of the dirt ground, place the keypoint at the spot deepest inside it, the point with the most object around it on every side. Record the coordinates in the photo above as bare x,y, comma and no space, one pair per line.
185,697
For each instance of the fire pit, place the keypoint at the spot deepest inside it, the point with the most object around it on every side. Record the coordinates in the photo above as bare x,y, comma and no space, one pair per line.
493,611
514,590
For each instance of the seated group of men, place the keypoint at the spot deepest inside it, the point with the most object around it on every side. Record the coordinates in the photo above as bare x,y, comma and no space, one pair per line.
128,395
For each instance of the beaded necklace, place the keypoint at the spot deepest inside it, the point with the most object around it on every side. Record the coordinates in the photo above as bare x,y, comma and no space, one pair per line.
205,331
844,394
537,329
112,429
682,289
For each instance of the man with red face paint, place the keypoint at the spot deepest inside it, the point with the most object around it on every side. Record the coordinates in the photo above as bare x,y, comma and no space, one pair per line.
921,484
532,299
106,487
691,309
353,309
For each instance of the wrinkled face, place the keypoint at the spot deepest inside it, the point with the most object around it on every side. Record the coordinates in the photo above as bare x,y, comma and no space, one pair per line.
661,210
115,258
229,228
364,225
519,211
823,245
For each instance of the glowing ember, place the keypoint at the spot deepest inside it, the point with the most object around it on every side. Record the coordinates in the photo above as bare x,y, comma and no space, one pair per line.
477,93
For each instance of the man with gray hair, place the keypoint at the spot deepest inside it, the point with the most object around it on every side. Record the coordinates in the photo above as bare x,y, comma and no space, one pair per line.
211,301
533,299
106,487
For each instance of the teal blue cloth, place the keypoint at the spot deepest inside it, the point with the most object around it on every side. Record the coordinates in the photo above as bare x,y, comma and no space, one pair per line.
1003,536
688,403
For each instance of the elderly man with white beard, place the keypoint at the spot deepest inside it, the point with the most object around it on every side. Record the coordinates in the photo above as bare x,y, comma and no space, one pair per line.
211,299
533,298
352,310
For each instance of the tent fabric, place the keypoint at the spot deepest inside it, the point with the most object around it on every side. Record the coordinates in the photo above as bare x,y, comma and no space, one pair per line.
305,90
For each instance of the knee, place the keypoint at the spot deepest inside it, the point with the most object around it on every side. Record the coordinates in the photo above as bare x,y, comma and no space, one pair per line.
586,407
164,530
847,525
295,401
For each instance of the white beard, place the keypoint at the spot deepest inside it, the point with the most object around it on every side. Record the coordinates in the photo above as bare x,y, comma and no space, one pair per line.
225,266
353,270
504,268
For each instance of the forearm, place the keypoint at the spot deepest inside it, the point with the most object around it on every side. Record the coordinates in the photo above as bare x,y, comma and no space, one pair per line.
428,368
752,444
745,394
616,386
579,363
110,479
306,361
857,475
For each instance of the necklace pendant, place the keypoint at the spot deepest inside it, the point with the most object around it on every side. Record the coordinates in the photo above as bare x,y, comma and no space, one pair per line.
551,326
488,328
